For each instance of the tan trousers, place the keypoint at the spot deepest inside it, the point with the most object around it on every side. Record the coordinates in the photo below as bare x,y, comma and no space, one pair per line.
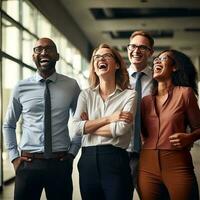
168,168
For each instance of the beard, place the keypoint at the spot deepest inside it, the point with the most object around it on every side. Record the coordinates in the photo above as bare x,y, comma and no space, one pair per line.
46,67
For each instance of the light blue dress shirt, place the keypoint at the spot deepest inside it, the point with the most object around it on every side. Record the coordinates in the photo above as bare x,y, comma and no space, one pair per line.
27,101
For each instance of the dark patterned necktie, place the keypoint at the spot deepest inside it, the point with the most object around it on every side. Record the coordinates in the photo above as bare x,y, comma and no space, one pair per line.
47,122
137,129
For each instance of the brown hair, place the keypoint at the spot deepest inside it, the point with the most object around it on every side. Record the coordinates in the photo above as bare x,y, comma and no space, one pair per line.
121,75
145,34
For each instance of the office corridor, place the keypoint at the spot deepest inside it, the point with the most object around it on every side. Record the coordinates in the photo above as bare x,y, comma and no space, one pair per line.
7,193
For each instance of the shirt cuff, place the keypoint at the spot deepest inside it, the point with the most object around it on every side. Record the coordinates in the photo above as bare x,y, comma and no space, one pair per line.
13,154
79,128
113,129
74,149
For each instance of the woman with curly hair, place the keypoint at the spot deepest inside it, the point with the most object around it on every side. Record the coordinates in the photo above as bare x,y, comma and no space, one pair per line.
170,126
103,118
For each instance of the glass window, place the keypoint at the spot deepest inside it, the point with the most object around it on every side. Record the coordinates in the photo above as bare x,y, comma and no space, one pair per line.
82,81
63,46
11,7
69,53
29,15
76,61
63,67
43,27
10,39
27,48
84,65
56,36
10,74
27,72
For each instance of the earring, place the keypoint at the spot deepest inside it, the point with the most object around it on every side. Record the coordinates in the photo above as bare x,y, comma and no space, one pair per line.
174,69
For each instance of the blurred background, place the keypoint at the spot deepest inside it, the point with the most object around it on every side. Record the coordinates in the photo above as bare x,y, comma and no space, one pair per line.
77,27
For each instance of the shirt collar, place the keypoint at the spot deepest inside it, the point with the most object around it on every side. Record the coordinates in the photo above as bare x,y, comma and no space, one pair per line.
96,88
53,77
170,91
117,88
147,71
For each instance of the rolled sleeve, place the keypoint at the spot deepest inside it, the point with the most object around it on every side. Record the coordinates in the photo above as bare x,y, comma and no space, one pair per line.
9,128
120,128
13,154
77,124
75,145
78,127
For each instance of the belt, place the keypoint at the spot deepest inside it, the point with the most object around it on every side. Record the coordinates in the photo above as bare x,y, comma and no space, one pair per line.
102,149
55,155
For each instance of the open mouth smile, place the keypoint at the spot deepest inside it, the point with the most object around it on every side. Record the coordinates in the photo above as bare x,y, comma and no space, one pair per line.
158,68
44,61
102,66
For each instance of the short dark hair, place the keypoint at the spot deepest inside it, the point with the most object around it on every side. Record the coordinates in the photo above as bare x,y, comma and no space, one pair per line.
145,34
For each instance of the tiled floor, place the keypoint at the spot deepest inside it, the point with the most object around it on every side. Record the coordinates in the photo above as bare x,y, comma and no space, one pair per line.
7,193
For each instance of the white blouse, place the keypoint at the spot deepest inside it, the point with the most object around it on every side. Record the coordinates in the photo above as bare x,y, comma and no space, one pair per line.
92,103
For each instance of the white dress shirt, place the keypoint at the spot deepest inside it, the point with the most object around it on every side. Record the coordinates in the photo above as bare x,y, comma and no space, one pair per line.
91,102
146,81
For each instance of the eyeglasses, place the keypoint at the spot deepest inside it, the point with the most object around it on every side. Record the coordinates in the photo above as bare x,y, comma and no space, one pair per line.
104,56
142,48
163,59
48,49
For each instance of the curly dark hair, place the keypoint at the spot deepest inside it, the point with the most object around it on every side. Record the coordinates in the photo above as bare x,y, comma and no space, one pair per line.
185,75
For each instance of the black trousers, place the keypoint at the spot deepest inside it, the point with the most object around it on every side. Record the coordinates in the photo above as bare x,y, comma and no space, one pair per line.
133,162
54,175
104,173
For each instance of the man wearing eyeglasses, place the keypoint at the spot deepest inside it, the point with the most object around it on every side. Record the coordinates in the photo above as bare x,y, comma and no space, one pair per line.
44,156
140,50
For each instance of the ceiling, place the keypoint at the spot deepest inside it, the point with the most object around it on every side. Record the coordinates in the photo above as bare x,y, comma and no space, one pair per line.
172,23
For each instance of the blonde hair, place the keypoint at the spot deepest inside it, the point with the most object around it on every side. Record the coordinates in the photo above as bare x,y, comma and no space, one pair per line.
121,75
